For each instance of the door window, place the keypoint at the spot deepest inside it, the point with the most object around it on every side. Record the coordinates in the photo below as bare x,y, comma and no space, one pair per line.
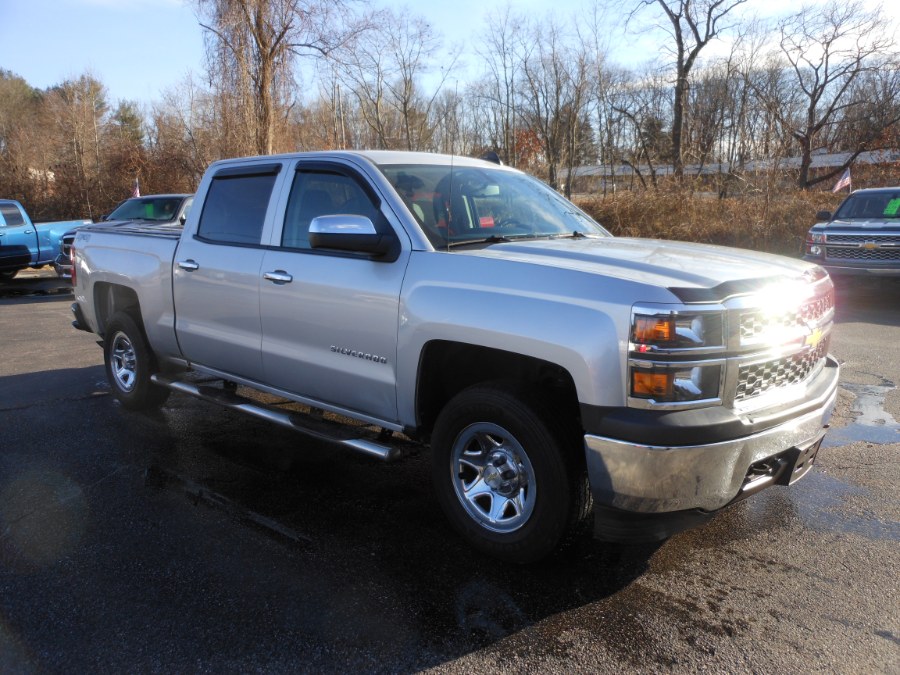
324,193
10,216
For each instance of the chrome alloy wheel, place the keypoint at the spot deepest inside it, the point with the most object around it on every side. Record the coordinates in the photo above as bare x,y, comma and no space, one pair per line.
124,362
493,477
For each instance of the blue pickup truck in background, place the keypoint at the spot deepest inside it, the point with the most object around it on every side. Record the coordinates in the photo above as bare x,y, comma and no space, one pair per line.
24,244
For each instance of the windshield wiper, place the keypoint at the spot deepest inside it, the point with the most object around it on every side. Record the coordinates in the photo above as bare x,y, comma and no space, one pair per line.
493,239
565,235
503,239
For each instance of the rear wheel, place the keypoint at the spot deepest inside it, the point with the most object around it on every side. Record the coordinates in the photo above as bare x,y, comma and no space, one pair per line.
130,363
508,473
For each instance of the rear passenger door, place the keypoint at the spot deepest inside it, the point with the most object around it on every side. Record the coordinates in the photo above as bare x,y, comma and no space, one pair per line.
330,318
217,272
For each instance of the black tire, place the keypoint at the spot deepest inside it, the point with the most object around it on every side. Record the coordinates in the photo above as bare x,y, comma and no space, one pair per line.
8,275
509,472
130,363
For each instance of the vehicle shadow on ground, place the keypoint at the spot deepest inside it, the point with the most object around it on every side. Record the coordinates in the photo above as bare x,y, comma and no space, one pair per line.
34,286
51,387
374,533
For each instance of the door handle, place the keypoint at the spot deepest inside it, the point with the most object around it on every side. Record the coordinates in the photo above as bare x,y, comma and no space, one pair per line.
28,231
188,265
278,276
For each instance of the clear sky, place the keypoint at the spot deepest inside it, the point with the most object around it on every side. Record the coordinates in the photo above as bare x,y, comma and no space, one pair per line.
139,48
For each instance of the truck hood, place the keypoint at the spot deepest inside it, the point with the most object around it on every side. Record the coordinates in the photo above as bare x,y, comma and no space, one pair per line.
693,272
859,224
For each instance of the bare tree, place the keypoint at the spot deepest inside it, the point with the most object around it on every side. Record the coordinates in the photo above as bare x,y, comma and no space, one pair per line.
252,45
384,67
554,95
692,25
829,50
78,108
502,61
641,104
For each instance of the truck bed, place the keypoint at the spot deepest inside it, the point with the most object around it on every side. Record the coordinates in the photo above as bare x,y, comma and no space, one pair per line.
145,253
165,231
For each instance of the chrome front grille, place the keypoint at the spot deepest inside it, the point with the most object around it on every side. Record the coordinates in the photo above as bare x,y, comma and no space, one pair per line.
862,239
755,325
876,254
758,378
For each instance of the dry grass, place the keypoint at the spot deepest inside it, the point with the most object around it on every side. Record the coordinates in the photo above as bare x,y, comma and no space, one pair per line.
776,223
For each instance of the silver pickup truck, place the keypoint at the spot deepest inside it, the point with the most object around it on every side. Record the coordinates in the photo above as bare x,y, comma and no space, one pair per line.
559,375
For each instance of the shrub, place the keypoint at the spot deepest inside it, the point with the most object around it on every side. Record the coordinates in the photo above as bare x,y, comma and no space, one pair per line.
775,223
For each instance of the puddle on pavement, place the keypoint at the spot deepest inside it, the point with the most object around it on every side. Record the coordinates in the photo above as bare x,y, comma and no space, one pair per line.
824,507
821,502
872,423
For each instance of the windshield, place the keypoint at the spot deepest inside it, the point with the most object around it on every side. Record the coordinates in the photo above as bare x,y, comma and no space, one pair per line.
460,205
881,205
159,209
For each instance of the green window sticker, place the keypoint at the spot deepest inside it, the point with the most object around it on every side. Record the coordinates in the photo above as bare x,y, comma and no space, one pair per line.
892,207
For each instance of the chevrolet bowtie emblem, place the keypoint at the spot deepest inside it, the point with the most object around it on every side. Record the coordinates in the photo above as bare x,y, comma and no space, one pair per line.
869,246
813,339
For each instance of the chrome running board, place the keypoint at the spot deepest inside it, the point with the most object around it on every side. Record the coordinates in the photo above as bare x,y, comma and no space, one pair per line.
312,425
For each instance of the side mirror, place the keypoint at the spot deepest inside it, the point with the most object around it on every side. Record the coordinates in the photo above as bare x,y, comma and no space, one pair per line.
182,218
355,234
823,216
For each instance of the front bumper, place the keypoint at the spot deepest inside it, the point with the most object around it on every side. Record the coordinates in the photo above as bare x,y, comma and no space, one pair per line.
656,479
861,268
63,266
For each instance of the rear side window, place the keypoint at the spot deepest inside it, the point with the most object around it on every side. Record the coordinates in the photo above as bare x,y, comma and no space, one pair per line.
11,215
235,208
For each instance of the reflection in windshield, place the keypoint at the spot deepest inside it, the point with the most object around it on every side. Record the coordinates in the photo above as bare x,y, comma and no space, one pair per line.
879,205
455,205
159,209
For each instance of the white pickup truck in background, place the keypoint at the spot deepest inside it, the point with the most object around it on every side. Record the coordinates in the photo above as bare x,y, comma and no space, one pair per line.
558,374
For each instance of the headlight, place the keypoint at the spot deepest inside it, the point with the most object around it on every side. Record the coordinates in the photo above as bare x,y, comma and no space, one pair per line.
676,384
814,242
676,356
675,330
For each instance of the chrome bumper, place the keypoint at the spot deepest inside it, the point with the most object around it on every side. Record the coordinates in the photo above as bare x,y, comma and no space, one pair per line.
657,479
63,266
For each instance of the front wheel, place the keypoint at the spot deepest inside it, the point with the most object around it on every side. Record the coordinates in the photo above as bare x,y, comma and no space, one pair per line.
130,364
508,473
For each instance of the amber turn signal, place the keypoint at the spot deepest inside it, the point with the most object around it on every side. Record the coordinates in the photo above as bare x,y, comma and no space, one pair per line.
653,330
651,384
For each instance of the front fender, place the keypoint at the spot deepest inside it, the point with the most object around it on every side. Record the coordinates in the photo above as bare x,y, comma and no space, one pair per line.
576,320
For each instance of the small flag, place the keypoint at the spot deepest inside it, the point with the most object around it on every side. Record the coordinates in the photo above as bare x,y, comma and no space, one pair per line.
136,192
843,181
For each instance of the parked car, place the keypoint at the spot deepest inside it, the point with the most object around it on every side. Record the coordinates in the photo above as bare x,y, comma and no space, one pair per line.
164,210
558,374
25,244
861,238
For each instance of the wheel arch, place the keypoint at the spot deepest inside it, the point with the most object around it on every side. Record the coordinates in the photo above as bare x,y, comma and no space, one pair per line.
448,367
111,298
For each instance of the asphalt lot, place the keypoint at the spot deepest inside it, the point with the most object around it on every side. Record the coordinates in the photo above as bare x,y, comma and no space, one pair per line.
197,539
